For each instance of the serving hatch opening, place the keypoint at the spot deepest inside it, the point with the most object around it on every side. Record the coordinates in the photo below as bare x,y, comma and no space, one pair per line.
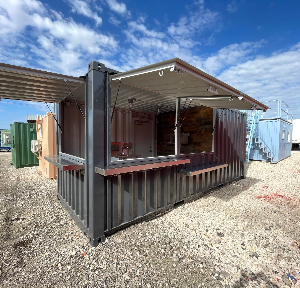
150,93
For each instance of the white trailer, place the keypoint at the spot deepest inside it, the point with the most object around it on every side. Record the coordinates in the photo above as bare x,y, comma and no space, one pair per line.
296,134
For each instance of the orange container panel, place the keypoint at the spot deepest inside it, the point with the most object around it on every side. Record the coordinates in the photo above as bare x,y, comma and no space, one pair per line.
46,133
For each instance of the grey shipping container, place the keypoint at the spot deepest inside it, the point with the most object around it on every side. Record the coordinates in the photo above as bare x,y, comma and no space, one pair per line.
120,155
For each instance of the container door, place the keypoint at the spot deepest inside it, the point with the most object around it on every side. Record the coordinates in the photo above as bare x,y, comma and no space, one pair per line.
32,136
14,144
143,139
28,133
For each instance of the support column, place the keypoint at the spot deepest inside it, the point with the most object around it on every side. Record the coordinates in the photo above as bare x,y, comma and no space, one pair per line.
58,146
177,129
97,148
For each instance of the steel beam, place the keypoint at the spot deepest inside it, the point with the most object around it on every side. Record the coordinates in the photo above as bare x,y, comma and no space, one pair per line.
97,147
177,129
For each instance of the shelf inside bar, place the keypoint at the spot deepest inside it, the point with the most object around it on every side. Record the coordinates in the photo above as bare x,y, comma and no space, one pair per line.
64,163
140,164
191,171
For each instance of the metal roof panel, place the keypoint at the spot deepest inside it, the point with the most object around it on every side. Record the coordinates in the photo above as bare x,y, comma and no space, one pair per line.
19,83
165,81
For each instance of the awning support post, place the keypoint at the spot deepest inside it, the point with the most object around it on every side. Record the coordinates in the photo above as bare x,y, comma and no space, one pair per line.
177,128
97,147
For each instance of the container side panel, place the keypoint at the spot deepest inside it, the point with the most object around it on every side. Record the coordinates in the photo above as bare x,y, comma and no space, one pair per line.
285,145
71,191
231,144
273,141
74,131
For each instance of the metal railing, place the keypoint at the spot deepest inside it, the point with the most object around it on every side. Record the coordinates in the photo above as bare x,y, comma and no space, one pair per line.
261,141
277,109
252,122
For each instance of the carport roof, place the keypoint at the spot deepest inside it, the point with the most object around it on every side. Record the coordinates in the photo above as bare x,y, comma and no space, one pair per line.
18,83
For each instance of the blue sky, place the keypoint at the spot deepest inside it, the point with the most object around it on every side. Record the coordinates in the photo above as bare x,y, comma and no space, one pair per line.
252,45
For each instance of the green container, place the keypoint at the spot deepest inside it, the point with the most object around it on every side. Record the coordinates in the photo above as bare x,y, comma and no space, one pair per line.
21,136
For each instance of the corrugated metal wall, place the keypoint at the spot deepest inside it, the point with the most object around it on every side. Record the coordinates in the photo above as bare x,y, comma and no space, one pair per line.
133,195
120,127
71,192
230,142
123,128
73,136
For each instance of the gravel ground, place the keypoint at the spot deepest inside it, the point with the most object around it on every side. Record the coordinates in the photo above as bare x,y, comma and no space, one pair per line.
245,234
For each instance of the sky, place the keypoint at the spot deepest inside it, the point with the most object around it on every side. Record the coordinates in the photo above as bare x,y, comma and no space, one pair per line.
253,46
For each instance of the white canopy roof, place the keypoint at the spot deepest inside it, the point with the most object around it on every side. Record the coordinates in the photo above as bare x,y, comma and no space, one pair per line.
18,83
151,88
157,86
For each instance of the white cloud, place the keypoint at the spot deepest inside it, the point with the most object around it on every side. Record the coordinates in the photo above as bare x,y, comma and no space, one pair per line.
32,35
232,7
134,26
75,35
82,7
55,43
210,40
198,20
269,78
148,46
230,55
113,20
116,6
111,64
157,23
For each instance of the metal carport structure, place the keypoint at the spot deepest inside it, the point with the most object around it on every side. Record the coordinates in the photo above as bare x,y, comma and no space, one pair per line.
103,195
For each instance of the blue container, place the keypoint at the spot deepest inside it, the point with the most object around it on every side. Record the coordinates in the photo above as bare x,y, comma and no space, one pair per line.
272,141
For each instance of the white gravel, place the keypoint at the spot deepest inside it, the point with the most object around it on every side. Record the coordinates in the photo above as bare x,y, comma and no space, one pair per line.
230,237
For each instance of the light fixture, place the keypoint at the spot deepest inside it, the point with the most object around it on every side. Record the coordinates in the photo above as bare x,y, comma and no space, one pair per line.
130,101
213,98
240,97
213,90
